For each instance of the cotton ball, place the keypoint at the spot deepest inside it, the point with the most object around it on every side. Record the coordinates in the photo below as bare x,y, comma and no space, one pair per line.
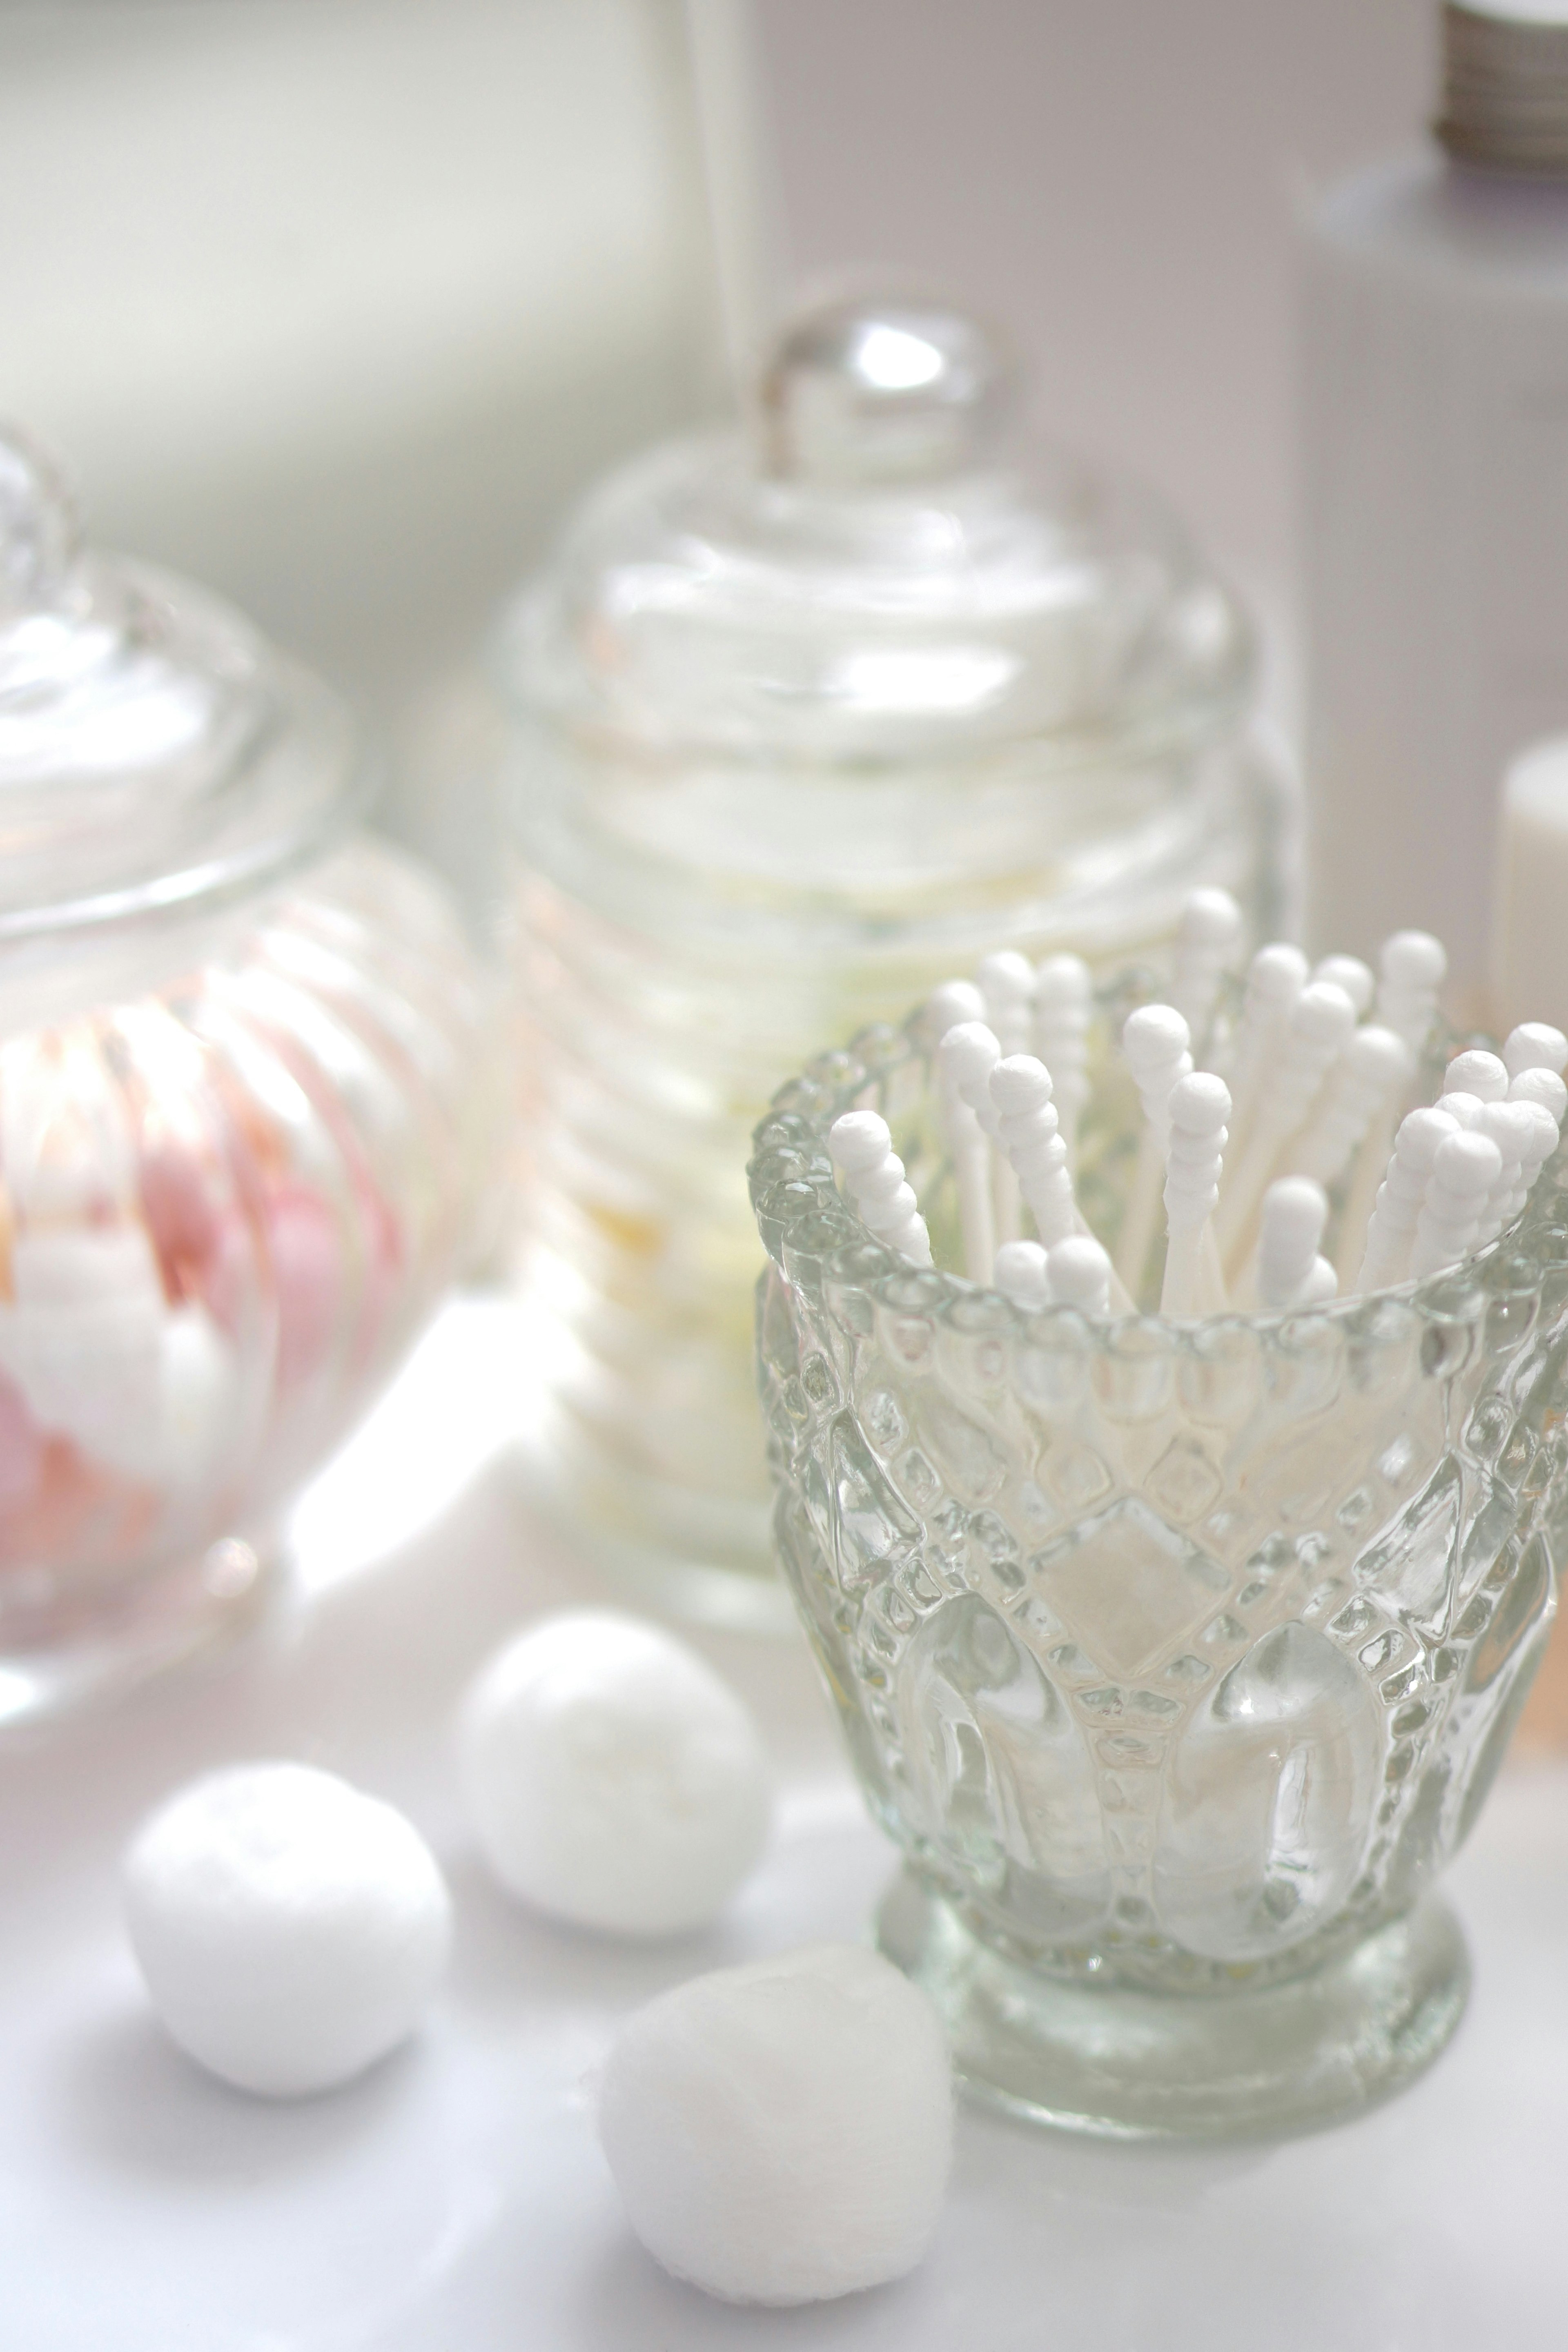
613,1779
289,1929
782,2131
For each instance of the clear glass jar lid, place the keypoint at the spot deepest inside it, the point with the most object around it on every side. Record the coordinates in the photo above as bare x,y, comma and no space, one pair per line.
871,572
155,751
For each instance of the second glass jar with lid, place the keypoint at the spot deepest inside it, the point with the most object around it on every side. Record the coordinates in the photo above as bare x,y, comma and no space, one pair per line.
803,719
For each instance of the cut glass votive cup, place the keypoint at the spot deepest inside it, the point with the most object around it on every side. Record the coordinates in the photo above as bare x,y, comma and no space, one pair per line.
1177,1658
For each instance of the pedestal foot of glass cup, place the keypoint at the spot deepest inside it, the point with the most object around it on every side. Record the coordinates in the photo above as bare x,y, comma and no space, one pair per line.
1128,2064
67,1642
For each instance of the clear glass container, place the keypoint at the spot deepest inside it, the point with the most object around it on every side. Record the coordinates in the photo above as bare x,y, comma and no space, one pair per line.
241,1103
804,719
1178,1658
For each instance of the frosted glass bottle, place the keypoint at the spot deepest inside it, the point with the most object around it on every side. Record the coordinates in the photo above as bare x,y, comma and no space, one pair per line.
1434,300
805,719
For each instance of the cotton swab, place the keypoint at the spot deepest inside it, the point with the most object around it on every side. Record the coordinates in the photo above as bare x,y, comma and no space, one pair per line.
1196,1112
968,1147
1154,1046
1207,933
1350,973
1007,983
1412,967
1373,1065
1027,1131
1546,1096
1275,979
947,1006
1392,1229
1476,1073
1063,995
966,1057
862,1146
1322,1096
1512,1127
1539,1085
1534,1045
1289,1271
1081,1274
1322,1020
1465,1167
1022,1275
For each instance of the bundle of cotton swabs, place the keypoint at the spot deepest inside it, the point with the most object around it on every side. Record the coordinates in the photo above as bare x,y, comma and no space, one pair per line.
1246,1127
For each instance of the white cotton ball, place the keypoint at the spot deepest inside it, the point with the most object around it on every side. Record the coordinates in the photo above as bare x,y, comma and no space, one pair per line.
782,2131
613,1779
198,1395
290,1931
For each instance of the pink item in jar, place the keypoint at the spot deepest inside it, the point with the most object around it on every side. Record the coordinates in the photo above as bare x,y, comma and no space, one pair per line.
21,1451
308,1278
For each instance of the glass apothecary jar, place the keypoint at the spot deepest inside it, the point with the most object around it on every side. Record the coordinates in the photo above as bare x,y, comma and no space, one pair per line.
242,1102
804,719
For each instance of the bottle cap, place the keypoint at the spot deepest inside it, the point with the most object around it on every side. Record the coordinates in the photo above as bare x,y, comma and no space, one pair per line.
1505,85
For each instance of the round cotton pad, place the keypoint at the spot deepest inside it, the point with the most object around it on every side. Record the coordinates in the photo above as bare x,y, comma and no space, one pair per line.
290,1931
782,2131
611,1779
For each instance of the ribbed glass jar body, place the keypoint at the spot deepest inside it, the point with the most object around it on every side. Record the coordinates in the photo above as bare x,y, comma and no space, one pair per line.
230,1192
688,927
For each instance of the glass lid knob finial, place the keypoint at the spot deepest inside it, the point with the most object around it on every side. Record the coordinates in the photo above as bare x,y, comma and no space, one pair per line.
41,533
867,390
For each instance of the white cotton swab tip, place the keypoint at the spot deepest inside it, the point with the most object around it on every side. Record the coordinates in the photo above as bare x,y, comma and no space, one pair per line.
1350,973
967,1055
1534,1045
1007,983
1154,1040
1476,1073
1277,974
1465,1168
1543,1087
1413,960
1022,1275
1294,1211
862,1146
1198,1108
1209,919
953,1001
1080,1275
860,1139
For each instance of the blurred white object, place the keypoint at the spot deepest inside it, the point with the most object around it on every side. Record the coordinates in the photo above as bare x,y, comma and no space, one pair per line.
1530,941
335,307
1435,489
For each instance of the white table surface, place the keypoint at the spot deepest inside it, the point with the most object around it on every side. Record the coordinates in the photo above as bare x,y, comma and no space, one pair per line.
455,2200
